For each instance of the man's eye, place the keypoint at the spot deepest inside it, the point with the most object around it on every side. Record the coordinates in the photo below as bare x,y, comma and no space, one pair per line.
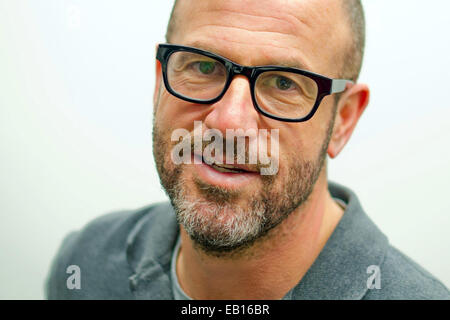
283,83
206,67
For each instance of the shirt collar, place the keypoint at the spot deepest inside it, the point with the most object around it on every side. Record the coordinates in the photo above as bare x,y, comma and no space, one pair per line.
149,251
339,272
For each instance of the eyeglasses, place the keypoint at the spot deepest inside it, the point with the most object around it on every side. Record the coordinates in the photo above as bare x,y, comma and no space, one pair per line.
280,93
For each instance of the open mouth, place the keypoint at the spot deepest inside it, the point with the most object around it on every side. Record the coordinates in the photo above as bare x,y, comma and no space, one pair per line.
231,168
226,168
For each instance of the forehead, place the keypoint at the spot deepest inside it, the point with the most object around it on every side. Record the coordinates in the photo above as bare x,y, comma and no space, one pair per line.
300,33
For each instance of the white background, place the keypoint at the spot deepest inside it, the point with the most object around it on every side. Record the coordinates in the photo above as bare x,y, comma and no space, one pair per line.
76,86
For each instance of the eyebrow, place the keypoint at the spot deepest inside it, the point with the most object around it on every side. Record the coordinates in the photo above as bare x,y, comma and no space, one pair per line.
289,64
296,64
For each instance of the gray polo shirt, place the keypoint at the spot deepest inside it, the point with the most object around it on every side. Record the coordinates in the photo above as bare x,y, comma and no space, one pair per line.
127,255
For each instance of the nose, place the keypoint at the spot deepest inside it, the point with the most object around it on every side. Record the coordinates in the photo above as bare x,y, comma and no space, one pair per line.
235,110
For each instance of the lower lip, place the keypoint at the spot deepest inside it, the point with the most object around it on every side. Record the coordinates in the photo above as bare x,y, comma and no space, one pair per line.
228,180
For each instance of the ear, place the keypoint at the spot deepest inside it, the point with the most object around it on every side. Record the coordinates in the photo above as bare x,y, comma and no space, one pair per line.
158,81
350,108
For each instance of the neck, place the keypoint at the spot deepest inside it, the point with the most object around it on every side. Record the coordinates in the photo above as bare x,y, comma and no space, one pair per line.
273,265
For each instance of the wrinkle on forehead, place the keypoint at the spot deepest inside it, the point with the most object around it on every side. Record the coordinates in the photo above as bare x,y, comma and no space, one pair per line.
291,15
285,25
307,28
252,29
264,16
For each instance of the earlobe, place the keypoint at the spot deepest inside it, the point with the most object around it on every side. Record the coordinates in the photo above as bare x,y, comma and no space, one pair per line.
350,108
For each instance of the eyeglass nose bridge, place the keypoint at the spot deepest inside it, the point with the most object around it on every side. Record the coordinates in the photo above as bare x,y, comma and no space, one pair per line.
237,69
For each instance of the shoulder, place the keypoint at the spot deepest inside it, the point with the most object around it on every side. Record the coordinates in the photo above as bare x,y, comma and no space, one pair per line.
99,250
402,278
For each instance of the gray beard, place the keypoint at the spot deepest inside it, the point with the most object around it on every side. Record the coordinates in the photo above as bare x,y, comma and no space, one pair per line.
215,222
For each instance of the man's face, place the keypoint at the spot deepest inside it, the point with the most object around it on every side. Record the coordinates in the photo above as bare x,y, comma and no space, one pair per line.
225,211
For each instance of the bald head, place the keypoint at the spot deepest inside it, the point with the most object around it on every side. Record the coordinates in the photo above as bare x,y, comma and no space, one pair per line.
354,55
353,50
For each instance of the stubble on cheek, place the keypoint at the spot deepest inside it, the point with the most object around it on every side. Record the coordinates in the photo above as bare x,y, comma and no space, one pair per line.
169,174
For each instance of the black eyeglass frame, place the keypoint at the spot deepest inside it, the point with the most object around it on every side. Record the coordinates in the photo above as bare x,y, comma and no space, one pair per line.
325,85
